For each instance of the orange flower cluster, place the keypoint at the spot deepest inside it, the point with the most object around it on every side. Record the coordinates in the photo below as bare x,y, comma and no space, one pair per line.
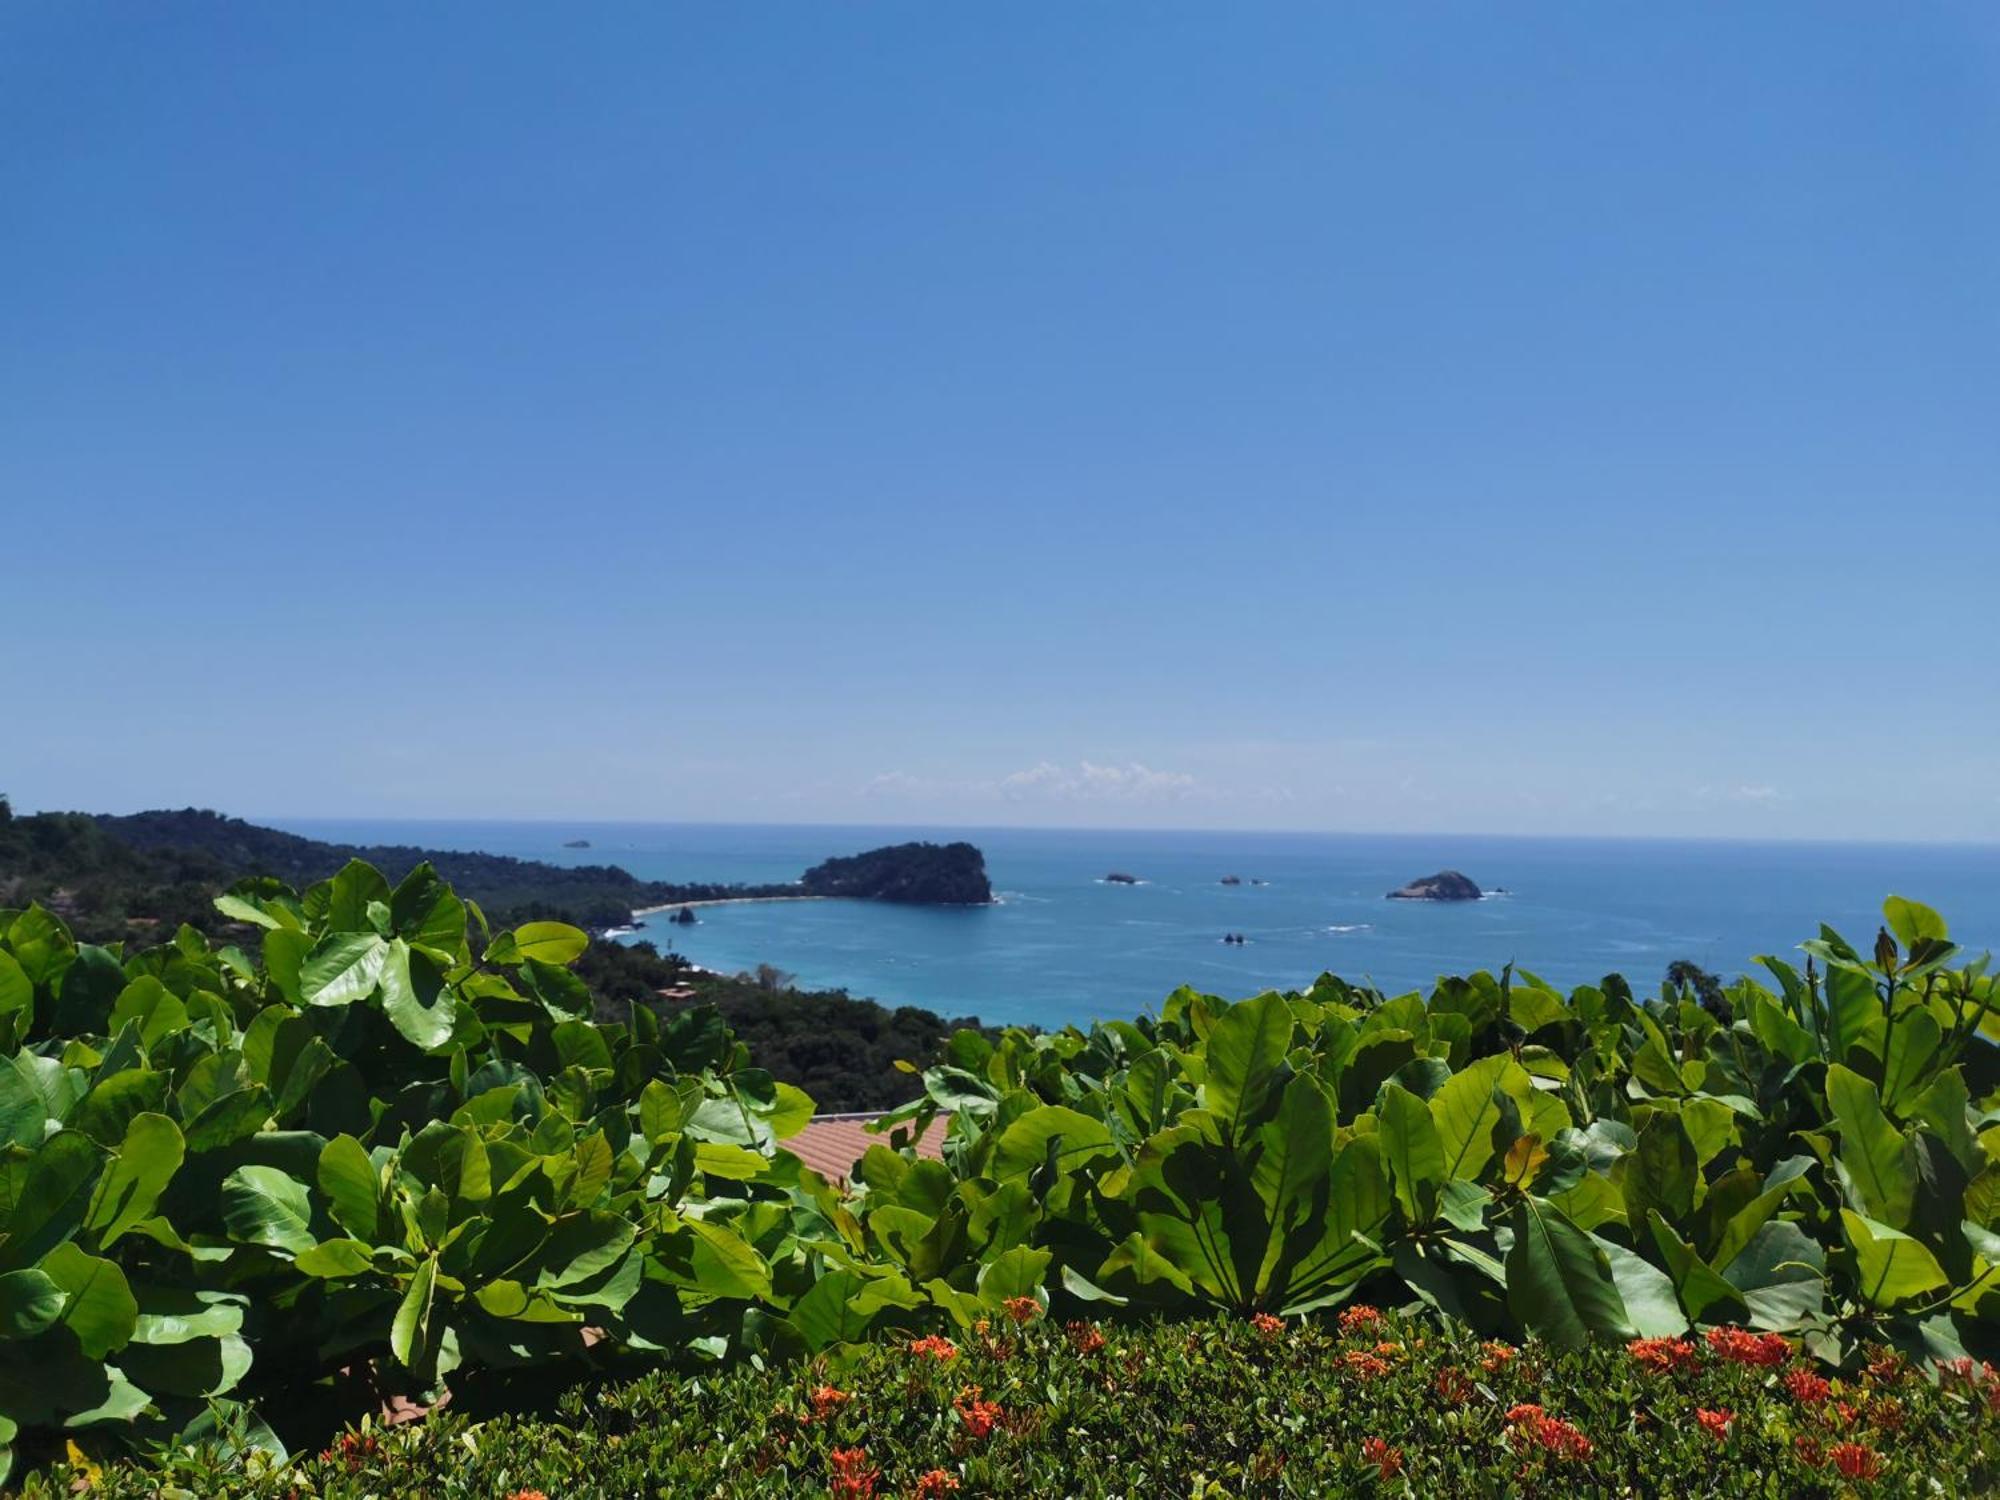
1085,1338
1664,1355
527,1495
1454,1385
930,1346
1715,1423
1806,1387
1855,1461
853,1479
1368,1366
1022,1309
934,1483
1388,1461
1746,1348
1270,1327
1886,1365
825,1400
1360,1318
1499,1354
1528,1423
977,1415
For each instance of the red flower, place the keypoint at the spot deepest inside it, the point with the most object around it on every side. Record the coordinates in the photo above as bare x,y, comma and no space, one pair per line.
527,1495
977,1415
1454,1385
1886,1365
1715,1423
1747,1348
1367,1366
932,1347
1386,1459
1360,1318
1855,1461
1806,1387
1528,1423
1267,1325
935,1483
1809,1451
1085,1338
1664,1355
1022,1309
852,1478
826,1400
1498,1356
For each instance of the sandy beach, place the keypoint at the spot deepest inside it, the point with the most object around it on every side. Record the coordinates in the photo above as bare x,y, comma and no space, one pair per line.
647,911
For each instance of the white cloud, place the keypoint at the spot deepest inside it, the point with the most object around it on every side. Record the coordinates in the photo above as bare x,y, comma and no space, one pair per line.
1089,781
1756,794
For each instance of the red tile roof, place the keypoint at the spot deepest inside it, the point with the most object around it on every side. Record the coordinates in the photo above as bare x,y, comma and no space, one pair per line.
832,1144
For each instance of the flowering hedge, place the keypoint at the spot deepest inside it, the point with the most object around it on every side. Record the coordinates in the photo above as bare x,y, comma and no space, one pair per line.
1357,1404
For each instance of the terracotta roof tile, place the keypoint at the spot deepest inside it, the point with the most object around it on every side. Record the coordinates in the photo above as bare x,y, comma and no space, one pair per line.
832,1144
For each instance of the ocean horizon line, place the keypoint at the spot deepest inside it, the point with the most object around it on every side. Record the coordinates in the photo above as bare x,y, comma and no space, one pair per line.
281,820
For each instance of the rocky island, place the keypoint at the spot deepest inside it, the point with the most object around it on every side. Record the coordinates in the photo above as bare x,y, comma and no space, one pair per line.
1446,885
1119,877
919,874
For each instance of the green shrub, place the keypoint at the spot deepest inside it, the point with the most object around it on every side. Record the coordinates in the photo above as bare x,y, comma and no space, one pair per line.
1201,1408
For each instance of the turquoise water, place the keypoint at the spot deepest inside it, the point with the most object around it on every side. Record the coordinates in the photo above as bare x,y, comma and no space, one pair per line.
1063,946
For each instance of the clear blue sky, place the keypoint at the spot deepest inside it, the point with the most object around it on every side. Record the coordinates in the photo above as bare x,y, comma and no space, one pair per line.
1560,418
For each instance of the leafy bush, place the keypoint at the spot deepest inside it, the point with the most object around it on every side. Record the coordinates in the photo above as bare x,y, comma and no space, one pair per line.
1264,1408
379,1157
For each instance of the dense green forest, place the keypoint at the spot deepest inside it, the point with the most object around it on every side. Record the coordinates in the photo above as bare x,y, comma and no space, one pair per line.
141,877
109,874
841,1050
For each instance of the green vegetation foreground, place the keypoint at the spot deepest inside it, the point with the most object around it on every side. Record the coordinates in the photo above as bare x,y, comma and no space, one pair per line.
1362,1405
392,1155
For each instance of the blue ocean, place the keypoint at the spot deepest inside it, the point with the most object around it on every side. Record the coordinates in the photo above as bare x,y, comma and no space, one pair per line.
1063,945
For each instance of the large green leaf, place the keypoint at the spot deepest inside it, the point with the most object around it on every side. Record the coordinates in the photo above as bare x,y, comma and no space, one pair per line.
415,997
99,1307
1880,1160
265,1206
1465,1111
410,1330
342,968
53,1201
351,1186
1661,1174
1026,1144
1914,1038
1892,1268
139,1171
1912,921
551,942
1559,1283
29,1302
841,1306
17,991
1646,1292
1415,1155
1245,1048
